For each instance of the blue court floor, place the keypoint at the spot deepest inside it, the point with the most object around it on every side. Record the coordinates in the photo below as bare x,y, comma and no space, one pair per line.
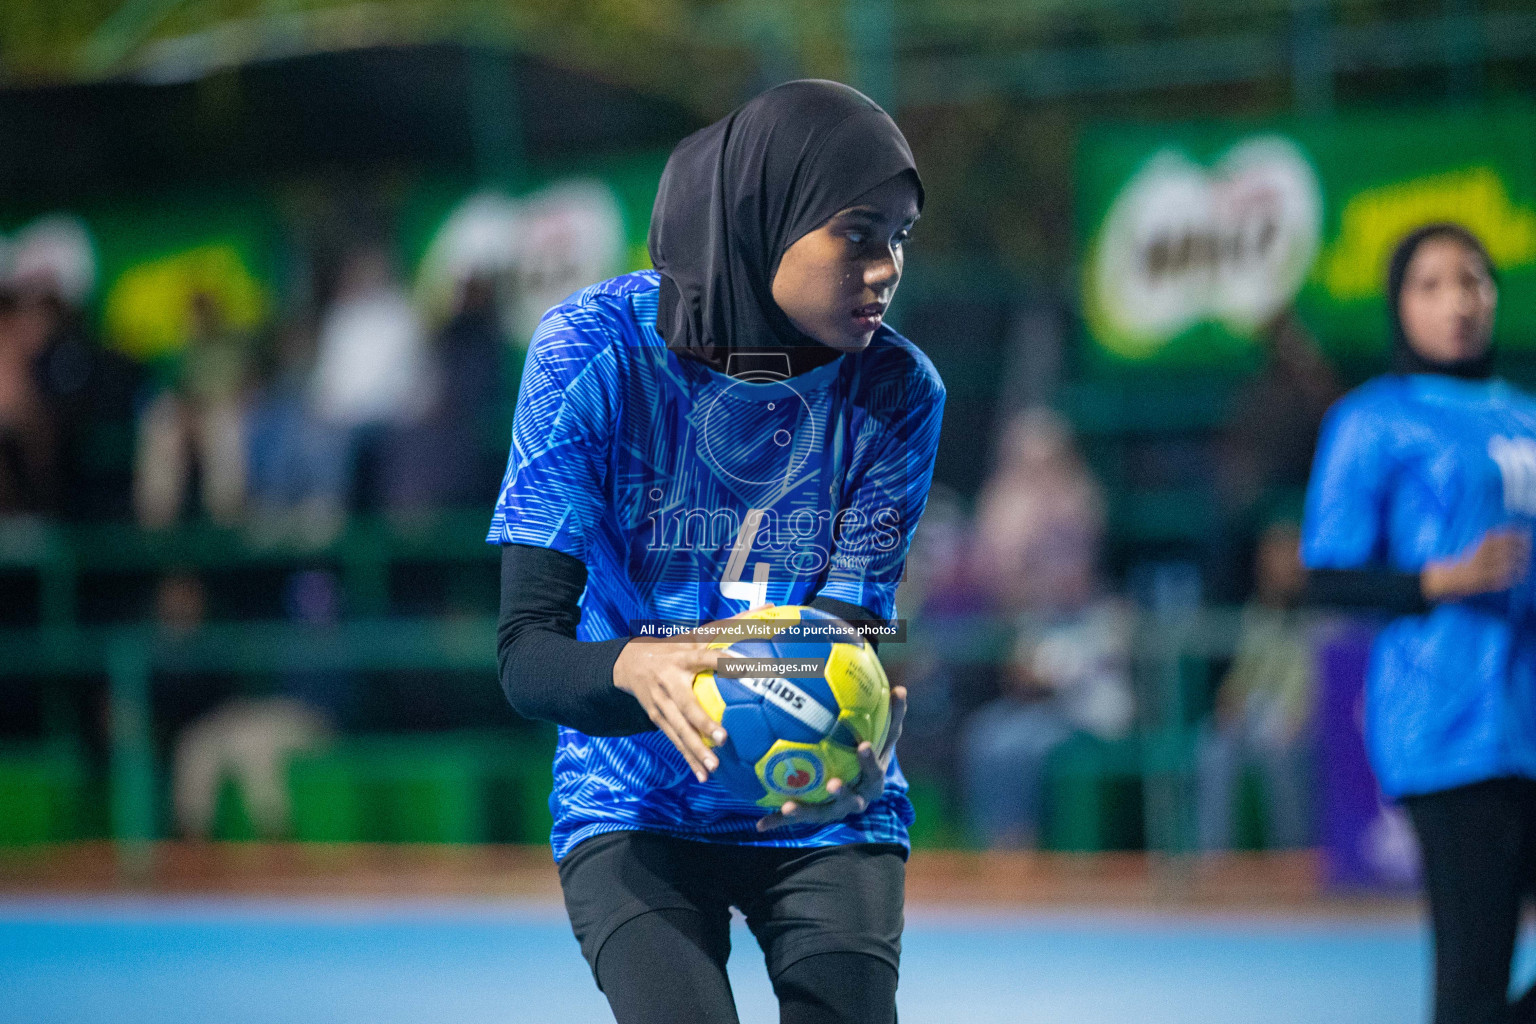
157,961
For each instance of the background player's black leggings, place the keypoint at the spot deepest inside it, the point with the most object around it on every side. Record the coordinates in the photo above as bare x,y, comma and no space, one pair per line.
827,988
1479,849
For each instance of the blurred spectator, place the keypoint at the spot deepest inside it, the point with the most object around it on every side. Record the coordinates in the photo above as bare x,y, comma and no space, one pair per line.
1069,675
29,436
936,578
1263,706
1039,518
935,587
65,403
1267,445
294,461
91,392
177,698
248,741
374,371
447,458
197,424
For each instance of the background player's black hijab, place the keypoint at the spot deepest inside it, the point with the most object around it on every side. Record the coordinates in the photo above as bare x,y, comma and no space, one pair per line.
1405,358
734,196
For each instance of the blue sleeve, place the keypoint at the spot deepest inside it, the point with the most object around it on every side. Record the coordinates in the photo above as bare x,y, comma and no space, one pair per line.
884,496
1344,524
562,432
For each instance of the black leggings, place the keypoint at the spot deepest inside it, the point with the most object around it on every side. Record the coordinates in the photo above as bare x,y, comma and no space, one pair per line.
828,988
653,916
1479,850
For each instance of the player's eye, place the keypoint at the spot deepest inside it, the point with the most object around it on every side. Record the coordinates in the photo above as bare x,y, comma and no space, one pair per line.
858,237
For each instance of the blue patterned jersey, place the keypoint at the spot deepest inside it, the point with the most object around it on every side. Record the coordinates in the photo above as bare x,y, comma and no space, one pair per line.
1414,469
652,469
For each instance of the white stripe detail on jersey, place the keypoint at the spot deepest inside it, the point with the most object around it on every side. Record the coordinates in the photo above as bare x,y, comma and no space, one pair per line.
796,702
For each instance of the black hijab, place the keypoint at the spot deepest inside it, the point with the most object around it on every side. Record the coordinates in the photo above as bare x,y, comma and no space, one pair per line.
734,196
1405,358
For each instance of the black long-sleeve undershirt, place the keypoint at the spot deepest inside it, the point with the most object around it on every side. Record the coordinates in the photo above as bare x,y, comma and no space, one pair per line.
1386,590
546,672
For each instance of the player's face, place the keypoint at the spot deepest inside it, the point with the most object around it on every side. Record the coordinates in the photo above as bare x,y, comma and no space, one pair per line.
836,282
1447,301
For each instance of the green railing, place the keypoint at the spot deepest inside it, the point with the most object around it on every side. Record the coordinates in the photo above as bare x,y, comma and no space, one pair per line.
363,553
130,657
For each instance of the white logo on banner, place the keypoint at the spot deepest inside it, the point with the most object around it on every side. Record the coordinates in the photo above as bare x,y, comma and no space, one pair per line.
539,248
1181,244
54,253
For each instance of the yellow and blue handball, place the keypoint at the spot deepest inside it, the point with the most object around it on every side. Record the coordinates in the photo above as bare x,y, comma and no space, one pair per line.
795,705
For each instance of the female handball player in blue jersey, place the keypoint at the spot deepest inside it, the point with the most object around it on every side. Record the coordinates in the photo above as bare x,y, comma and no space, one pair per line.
1421,504
745,394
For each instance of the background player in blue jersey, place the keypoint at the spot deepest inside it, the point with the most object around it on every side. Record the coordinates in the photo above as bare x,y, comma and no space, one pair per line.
1421,503
746,395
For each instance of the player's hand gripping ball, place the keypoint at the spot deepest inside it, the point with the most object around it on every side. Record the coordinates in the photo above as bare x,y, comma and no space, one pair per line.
790,733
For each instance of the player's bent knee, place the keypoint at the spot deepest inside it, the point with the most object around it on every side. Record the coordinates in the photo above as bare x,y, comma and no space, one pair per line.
837,988
666,965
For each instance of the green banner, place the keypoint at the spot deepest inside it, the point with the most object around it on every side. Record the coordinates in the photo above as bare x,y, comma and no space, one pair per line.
1194,236
139,265
156,258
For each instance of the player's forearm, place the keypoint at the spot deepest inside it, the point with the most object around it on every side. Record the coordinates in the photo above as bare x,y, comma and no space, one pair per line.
545,671
570,682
